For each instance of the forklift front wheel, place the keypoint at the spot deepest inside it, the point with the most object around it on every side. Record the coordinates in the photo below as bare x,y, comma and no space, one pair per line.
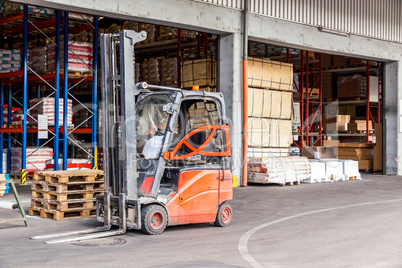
224,215
154,219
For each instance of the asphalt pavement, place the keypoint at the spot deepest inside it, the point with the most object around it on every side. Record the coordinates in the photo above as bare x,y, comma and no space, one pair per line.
341,224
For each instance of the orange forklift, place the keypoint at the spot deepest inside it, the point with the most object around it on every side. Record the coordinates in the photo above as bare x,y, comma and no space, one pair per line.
167,158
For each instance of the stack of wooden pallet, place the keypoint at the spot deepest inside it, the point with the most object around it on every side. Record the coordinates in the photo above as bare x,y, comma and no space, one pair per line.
61,195
4,187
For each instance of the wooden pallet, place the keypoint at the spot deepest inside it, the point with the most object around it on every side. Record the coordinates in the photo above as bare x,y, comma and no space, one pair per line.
43,186
67,196
69,176
69,205
37,202
34,211
18,177
66,215
290,183
38,194
39,186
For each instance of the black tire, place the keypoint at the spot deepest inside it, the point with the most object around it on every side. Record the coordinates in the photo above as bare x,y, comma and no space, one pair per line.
224,215
153,219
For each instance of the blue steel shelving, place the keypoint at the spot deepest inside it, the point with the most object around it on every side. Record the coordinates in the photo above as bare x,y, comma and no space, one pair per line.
23,78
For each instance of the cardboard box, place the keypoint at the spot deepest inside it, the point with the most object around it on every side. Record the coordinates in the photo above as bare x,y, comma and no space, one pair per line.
312,91
318,152
326,61
326,85
337,122
378,133
377,161
357,145
365,164
355,153
198,72
338,61
359,125
270,132
339,118
267,152
264,73
332,143
269,103
280,134
328,127
351,87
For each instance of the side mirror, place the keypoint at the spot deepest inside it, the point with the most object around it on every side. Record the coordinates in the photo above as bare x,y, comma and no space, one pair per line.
168,108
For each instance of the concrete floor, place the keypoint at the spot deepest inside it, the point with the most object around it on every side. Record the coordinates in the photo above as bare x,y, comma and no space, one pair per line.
343,224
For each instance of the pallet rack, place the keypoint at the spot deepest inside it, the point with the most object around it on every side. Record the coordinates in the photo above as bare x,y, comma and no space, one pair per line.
311,106
366,70
22,23
175,47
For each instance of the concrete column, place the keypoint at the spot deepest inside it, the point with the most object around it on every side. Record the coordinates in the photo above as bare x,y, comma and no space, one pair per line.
230,84
392,136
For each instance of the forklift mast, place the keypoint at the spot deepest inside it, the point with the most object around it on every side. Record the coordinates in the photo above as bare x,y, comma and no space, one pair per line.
166,151
119,121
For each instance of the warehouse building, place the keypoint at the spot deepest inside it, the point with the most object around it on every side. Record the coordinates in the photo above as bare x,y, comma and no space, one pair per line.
328,46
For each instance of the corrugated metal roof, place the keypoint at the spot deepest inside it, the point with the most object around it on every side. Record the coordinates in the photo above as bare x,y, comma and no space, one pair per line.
379,19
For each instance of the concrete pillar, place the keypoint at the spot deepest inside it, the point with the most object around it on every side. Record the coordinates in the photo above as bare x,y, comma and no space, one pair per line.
230,84
392,98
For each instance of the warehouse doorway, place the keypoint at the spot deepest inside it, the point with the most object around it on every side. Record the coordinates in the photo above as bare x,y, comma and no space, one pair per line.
335,106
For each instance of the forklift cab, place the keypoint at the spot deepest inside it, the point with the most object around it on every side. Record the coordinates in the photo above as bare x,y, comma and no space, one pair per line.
192,185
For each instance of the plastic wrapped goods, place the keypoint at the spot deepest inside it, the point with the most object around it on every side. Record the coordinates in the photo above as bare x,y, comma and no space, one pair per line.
72,164
36,159
280,170
45,106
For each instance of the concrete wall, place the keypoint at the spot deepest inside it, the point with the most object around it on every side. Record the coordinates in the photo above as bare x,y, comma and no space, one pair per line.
228,22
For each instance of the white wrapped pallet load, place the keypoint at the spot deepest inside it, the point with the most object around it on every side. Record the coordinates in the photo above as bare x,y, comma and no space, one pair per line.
318,172
36,158
72,164
334,169
351,169
279,170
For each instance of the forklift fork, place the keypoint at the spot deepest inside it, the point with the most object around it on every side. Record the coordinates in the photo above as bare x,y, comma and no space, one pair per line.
94,233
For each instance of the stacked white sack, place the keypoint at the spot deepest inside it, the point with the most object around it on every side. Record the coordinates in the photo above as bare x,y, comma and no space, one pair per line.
35,161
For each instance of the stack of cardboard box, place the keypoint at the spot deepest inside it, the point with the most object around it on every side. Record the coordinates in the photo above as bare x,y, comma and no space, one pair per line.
377,162
362,152
360,125
339,61
318,152
337,122
355,87
326,85
270,107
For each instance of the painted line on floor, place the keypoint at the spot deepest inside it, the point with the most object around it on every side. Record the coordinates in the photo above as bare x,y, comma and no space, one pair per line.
243,242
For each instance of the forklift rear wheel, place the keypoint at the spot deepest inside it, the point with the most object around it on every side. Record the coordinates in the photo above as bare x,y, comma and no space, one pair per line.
154,219
224,215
